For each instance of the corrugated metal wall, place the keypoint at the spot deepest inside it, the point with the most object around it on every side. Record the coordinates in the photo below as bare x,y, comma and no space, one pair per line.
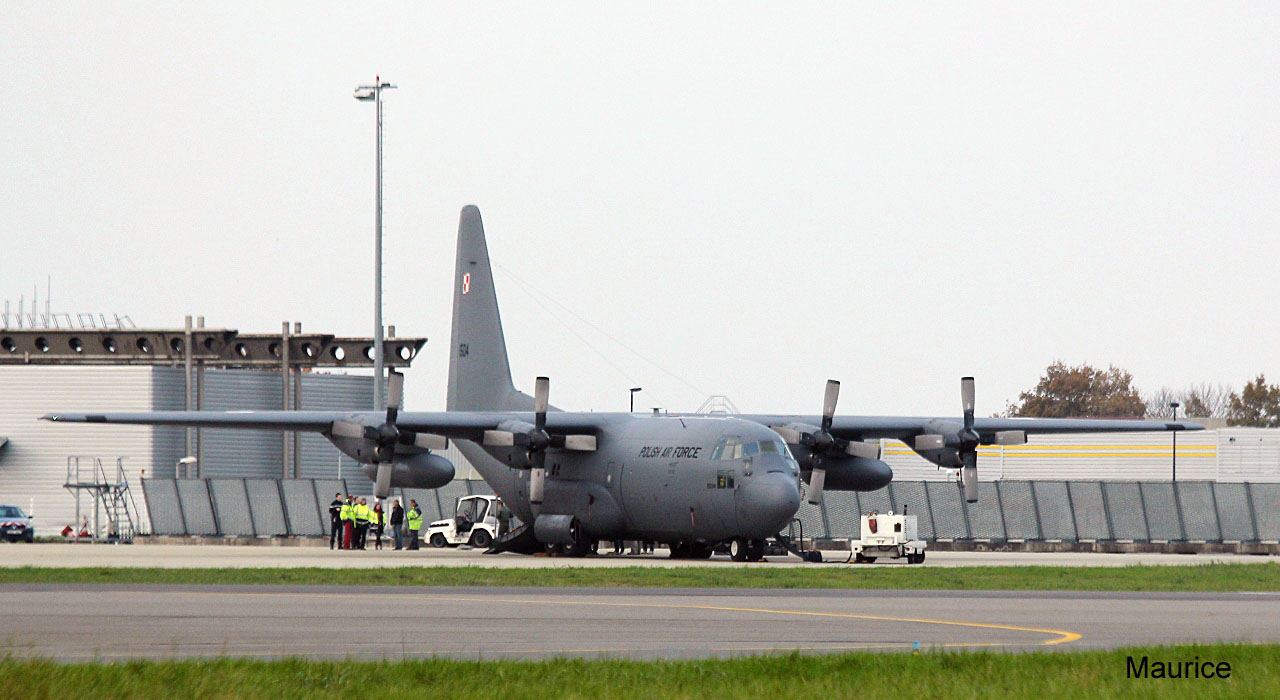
1230,455
33,464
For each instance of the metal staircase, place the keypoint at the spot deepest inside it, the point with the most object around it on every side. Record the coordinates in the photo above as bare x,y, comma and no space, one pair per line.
110,495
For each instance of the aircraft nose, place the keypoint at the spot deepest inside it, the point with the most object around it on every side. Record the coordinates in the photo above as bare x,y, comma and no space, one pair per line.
768,503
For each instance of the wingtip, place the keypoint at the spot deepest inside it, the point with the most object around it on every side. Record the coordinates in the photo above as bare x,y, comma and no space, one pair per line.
49,417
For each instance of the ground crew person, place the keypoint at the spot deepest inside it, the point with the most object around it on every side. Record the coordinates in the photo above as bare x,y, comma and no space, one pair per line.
362,522
397,524
414,518
504,519
377,521
348,522
335,520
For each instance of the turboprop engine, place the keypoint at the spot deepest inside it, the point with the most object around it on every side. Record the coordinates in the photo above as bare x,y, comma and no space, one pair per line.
953,445
846,465
421,471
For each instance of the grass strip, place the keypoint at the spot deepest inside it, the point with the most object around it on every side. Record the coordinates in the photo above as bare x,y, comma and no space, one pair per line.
1212,577
1254,673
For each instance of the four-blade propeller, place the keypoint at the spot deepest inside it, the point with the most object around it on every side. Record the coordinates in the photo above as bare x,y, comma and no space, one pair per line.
966,441
387,436
822,444
536,440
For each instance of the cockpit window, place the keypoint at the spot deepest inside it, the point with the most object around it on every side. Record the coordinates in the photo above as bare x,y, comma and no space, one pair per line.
734,447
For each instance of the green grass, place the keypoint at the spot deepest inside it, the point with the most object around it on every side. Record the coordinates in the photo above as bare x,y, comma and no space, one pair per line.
1199,577
1255,673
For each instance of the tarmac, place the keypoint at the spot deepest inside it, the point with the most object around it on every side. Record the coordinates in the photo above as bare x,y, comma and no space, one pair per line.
104,623
218,556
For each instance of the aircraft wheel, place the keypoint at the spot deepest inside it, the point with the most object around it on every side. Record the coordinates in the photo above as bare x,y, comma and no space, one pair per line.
739,549
438,541
554,550
481,539
701,551
755,550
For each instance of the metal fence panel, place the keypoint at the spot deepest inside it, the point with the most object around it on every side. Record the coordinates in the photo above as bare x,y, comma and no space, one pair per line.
810,515
1266,508
449,495
842,513
232,505
1198,514
1019,510
945,499
426,499
877,500
1161,509
163,506
1124,501
304,513
1054,506
909,497
984,516
1089,510
268,511
1233,512
479,487
194,494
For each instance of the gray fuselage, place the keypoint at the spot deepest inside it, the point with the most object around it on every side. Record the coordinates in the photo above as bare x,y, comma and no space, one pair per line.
659,478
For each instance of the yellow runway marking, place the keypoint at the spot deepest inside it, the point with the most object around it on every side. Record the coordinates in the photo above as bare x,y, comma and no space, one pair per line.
1059,636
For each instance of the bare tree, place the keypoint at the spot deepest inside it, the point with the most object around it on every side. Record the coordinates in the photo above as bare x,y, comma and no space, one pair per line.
1158,402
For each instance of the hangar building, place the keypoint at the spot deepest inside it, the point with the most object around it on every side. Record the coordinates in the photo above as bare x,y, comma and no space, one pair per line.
46,369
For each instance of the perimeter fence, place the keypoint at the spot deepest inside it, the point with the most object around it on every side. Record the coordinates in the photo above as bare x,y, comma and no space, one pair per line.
1007,511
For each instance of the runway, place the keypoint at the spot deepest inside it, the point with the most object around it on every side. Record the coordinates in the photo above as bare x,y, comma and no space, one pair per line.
78,622
227,556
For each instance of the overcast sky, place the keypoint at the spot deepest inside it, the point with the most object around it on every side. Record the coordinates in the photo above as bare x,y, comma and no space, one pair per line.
741,199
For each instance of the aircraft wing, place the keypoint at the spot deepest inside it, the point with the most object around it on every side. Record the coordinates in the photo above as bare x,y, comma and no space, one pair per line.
902,428
460,425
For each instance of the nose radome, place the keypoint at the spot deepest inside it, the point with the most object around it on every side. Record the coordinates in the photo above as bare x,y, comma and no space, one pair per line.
769,502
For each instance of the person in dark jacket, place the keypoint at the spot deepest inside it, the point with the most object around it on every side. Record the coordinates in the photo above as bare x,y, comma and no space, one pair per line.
397,524
335,520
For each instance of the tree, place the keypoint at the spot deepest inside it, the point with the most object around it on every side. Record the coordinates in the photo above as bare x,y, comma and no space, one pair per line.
1257,405
1198,401
1078,392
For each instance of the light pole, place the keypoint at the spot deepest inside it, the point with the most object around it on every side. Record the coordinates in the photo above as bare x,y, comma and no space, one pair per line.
1174,405
367,93
634,389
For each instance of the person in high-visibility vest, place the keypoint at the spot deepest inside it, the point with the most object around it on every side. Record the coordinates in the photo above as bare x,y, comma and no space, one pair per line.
377,522
347,514
362,522
414,518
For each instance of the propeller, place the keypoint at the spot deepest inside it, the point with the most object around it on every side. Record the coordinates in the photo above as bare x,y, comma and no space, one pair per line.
536,440
385,437
822,444
967,440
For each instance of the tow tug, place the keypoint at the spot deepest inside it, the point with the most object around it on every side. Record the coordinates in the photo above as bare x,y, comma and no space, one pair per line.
475,523
888,535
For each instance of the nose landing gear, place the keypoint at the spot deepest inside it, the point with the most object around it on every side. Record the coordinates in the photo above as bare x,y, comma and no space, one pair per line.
742,549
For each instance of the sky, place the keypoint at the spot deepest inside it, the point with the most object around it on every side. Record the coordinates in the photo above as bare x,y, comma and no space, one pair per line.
741,199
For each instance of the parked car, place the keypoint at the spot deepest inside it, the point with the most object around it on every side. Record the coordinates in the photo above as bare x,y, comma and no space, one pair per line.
15,525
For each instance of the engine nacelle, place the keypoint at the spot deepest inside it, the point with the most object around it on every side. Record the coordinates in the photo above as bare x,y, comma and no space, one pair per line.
421,471
556,529
855,474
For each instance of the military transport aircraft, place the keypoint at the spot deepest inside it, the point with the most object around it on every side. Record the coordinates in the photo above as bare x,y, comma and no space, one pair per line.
691,481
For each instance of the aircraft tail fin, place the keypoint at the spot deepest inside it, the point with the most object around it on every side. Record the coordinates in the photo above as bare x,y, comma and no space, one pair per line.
479,372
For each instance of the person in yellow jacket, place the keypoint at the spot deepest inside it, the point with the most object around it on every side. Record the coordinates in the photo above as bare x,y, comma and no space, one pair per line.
347,515
414,520
377,521
362,522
